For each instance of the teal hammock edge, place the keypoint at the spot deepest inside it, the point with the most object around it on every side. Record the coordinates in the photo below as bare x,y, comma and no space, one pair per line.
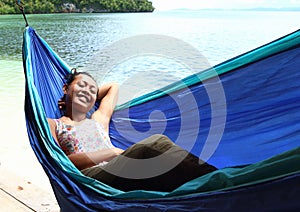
42,124
281,44
270,169
226,179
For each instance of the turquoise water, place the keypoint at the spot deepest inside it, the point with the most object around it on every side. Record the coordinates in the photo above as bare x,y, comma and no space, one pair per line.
80,39
218,34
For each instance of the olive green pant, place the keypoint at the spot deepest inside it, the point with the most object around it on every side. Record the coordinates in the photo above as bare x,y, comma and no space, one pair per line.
154,164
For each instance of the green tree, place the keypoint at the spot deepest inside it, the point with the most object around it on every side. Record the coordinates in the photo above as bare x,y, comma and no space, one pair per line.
51,6
6,9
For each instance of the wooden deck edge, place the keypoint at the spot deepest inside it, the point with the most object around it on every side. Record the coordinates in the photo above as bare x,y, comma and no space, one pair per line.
17,194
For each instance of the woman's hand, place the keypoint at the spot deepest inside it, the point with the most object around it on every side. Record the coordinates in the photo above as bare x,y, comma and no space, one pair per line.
117,151
89,159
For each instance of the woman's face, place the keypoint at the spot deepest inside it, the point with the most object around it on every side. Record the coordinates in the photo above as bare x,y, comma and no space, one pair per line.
82,93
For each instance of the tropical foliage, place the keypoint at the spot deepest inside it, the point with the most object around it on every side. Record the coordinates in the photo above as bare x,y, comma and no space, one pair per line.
56,6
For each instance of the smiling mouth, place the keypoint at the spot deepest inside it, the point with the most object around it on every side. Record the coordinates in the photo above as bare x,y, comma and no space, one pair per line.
83,98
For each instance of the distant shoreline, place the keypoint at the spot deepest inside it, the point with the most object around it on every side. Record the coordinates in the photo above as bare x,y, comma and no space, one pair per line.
60,12
172,10
104,12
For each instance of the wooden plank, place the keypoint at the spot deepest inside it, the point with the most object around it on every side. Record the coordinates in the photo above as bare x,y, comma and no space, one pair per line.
21,175
21,191
8,203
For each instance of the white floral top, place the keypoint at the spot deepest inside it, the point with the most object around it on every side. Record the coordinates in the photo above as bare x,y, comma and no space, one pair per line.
88,136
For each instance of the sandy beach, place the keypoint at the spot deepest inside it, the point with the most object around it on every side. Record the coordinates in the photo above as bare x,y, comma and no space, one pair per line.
24,186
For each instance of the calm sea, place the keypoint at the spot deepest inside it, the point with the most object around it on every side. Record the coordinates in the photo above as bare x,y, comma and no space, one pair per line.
143,50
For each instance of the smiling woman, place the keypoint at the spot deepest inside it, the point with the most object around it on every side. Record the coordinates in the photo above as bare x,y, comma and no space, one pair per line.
87,144
80,94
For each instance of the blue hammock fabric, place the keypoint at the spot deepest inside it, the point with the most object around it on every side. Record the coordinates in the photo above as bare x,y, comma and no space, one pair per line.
258,155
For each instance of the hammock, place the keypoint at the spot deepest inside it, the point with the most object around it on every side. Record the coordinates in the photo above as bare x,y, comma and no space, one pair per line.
258,154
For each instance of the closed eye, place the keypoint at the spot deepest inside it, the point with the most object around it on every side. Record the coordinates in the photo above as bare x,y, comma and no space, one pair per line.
84,84
81,84
93,91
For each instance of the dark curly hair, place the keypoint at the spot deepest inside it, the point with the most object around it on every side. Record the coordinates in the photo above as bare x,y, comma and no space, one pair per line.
72,75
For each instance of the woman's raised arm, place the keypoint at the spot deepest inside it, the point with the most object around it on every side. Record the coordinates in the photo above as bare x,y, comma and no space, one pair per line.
108,94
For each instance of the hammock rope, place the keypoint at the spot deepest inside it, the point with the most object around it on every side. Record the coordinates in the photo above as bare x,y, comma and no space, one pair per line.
21,7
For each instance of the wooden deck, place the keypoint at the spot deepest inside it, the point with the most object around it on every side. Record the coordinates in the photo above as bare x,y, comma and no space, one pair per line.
24,186
17,194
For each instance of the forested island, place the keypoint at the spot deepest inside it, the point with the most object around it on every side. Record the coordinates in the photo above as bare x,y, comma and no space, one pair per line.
76,6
